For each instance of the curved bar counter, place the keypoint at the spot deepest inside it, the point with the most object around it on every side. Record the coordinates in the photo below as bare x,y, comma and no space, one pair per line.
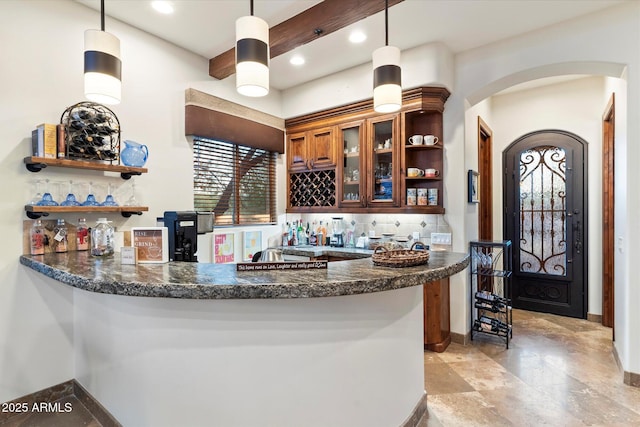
203,344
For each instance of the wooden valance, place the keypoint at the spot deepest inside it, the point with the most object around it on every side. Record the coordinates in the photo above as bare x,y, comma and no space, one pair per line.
216,118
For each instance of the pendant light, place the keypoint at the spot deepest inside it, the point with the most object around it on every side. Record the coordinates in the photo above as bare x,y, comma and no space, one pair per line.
102,65
252,56
387,84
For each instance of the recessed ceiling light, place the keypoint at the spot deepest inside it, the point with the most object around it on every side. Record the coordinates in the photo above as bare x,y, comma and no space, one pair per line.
297,60
164,7
357,36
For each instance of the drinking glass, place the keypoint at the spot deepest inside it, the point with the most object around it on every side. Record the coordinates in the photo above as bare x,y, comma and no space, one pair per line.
131,201
91,198
47,198
71,197
109,200
38,196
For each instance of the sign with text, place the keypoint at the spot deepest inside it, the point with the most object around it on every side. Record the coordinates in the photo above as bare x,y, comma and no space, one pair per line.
152,244
223,248
280,266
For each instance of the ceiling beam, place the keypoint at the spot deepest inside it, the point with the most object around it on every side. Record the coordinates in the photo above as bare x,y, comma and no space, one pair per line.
328,16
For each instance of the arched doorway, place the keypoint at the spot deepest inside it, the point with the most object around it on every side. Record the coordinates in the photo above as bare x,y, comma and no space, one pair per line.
545,194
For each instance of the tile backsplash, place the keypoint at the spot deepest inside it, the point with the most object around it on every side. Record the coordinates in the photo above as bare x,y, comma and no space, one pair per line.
401,225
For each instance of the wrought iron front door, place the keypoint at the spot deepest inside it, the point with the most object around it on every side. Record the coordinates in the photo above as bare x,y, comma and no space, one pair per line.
545,197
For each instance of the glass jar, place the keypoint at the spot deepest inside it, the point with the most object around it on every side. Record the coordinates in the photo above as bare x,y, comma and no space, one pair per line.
60,236
82,235
102,239
37,238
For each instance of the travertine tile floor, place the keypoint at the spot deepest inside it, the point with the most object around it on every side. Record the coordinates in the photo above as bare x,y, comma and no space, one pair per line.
558,371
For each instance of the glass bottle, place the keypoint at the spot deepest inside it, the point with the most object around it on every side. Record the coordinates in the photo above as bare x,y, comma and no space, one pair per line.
82,235
102,239
324,234
320,235
37,238
300,231
60,236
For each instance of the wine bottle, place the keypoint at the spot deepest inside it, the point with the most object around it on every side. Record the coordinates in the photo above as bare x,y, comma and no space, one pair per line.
82,114
76,124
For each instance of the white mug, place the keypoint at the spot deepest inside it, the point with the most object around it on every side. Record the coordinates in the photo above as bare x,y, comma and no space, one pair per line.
430,140
414,172
416,140
430,173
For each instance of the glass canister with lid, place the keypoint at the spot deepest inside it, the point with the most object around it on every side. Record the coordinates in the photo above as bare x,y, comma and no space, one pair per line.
102,239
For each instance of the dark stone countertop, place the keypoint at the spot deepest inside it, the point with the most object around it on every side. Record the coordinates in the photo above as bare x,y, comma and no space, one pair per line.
318,251
222,281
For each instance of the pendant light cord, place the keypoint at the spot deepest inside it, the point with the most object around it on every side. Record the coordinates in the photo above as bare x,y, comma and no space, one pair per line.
386,22
102,15
251,7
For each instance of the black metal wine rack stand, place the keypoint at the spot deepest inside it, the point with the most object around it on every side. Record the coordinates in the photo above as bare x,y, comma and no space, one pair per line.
491,268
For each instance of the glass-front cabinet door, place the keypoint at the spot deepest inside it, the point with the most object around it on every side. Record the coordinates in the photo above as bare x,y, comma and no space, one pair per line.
383,166
352,189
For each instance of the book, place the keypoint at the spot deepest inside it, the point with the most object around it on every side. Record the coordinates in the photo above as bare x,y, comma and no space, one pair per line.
152,244
48,140
62,143
36,149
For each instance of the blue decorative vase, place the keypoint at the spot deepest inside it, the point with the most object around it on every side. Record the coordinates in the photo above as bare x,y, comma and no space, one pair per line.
134,154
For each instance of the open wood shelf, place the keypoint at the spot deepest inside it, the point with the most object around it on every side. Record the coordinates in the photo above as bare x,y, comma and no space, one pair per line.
412,147
35,212
36,164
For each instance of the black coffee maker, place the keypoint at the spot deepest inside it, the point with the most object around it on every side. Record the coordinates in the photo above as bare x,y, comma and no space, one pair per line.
183,235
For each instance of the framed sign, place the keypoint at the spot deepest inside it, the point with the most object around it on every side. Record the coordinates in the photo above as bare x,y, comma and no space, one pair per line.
223,248
252,244
152,244
474,189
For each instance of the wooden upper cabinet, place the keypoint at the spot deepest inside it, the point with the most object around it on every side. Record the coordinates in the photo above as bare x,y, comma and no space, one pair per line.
363,157
322,148
311,150
297,151
383,158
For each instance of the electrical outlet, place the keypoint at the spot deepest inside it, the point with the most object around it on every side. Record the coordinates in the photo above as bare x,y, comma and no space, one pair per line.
441,238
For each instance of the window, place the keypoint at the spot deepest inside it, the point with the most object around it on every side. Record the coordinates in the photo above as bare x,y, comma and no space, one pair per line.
235,182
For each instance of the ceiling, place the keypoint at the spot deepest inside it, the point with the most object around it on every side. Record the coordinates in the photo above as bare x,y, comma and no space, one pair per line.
207,27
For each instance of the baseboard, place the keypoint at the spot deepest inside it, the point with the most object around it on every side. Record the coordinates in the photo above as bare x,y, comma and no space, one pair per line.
462,339
614,350
629,378
49,400
418,412
632,379
597,318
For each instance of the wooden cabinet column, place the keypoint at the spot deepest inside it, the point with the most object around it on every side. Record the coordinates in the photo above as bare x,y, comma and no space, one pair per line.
437,317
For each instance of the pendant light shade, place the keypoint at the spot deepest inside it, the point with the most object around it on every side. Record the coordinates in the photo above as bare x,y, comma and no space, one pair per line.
102,65
252,56
387,89
387,74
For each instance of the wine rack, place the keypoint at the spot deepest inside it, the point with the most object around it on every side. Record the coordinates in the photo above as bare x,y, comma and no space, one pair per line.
92,132
491,268
312,189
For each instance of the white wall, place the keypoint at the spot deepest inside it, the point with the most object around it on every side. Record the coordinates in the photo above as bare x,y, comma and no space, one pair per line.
575,106
41,75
